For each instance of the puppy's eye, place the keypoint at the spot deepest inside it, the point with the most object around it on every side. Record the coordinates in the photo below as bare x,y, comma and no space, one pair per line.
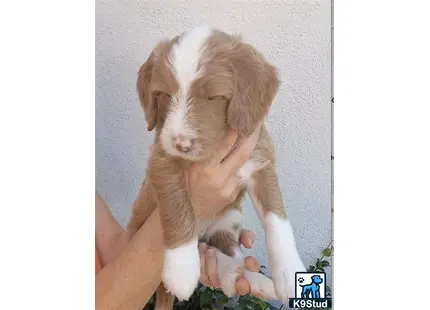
214,98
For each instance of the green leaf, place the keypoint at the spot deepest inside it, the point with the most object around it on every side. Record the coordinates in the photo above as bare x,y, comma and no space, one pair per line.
223,299
205,298
311,268
325,263
326,252
262,304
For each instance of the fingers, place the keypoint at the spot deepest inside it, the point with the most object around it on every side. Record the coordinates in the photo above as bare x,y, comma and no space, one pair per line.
231,188
203,276
224,149
252,264
242,287
212,268
247,238
241,154
237,191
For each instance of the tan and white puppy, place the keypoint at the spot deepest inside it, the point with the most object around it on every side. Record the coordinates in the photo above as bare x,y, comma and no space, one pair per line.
193,88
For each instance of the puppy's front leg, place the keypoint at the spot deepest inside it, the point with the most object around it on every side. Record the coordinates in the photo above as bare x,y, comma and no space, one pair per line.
284,259
181,269
142,209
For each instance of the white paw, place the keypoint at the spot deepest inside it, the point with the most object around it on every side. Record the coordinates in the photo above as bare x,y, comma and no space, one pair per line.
284,276
181,270
260,285
229,270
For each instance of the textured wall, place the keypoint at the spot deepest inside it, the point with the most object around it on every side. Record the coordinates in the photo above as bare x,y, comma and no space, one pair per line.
294,35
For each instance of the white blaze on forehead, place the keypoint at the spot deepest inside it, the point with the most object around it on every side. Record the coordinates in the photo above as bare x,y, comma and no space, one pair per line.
183,60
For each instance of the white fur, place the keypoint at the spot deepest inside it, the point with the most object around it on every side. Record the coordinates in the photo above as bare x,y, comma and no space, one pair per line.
248,169
229,270
181,271
183,61
260,285
283,256
224,223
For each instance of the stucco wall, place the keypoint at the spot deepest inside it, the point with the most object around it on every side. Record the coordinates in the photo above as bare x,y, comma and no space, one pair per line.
294,35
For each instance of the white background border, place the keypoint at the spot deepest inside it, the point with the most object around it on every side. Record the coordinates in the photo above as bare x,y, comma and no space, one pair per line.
381,151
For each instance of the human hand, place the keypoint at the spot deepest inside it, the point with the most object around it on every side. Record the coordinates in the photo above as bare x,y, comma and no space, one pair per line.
209,267
214,185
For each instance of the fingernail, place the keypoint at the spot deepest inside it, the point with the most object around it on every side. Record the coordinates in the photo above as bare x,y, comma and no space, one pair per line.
210,252
250,240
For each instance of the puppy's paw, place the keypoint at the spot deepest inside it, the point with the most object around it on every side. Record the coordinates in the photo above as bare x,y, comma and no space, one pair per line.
228,282
260,285
181,270
284,278
229,271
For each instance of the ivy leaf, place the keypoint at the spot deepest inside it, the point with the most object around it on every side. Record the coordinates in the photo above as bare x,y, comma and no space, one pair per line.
327,252
242,307
262,304
325,263
222,299
205,299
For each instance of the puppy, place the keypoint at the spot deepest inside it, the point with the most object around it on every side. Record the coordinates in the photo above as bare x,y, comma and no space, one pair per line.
193,88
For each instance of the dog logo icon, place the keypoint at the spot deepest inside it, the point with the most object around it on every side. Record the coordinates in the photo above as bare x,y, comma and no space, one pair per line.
312,288
310,291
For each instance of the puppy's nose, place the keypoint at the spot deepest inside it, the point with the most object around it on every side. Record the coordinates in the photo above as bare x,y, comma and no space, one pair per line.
182,143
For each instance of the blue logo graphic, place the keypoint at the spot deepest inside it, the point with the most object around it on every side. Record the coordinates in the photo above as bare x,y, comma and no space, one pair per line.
310,291
312,288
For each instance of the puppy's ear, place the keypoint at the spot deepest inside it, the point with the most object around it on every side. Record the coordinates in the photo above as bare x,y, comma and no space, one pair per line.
145,96
256,84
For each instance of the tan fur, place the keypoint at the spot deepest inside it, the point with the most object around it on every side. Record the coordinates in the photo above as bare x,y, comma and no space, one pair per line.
224,241
163,300
236,91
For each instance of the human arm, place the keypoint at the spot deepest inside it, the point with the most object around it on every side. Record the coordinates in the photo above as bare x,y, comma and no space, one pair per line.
131,278
110,236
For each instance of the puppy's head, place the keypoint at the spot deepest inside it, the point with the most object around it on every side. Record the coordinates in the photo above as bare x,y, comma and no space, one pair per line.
197,85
